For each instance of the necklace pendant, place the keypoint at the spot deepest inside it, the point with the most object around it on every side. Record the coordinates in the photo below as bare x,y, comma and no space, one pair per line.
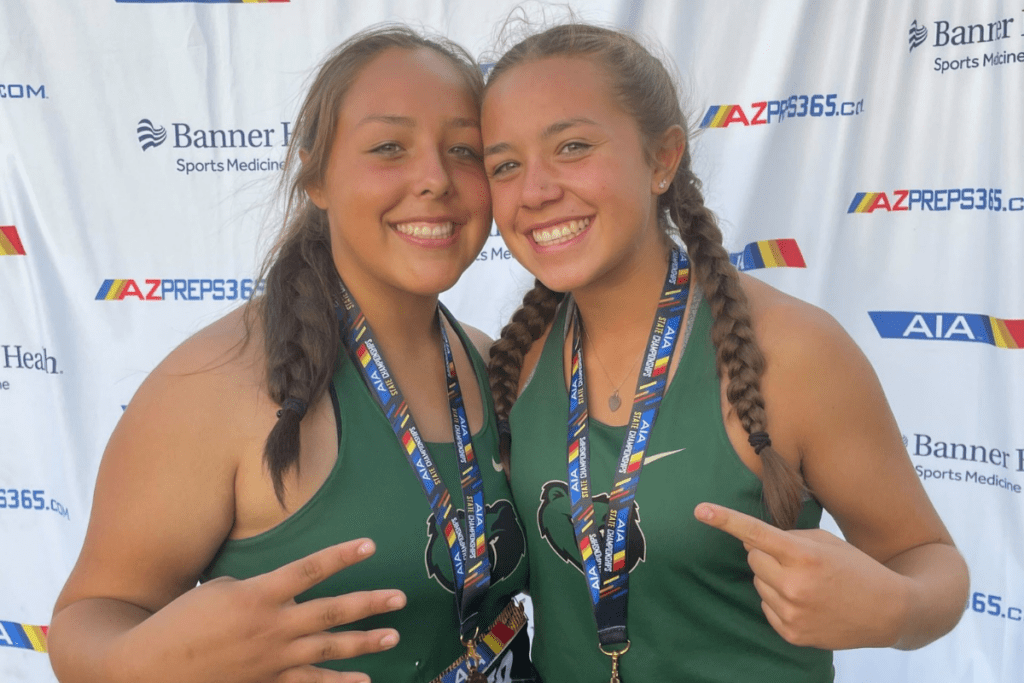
613,401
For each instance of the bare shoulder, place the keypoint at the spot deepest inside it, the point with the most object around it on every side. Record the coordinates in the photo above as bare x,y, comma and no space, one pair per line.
209,382
826,404
814,370
172,461
791,330
481,341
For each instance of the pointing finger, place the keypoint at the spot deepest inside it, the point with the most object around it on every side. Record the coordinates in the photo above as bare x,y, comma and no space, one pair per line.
753,532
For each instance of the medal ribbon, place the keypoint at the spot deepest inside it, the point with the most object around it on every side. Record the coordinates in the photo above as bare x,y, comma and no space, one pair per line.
604,564
468,548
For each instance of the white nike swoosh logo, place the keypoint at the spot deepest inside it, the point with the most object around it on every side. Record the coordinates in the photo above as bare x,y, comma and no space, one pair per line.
497,466
651,458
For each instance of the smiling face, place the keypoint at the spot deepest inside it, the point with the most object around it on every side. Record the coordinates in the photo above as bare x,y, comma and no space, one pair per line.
574,193
404,189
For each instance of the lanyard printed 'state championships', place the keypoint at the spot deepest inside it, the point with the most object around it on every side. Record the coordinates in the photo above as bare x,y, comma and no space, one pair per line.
604,564
468,549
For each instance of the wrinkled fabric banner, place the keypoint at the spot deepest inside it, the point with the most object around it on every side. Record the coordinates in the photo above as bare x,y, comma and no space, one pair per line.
862,155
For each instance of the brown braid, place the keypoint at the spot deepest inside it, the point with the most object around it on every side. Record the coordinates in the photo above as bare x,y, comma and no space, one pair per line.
527,325
294,317
647,92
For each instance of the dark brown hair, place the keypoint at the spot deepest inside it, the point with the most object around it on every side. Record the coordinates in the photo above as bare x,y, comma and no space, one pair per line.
295,313
646,91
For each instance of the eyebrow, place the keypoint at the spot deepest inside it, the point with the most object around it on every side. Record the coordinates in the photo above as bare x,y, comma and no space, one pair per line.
554,129
409,122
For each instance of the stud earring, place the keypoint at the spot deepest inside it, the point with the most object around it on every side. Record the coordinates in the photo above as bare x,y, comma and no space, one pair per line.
662,185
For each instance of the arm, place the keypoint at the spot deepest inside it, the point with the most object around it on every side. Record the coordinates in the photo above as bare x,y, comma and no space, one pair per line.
897,580
163,504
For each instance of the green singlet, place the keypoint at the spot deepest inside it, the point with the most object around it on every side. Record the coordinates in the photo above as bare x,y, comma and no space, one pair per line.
372,491
693,613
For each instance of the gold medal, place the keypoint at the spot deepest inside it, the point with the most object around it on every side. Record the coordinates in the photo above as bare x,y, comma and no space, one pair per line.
474,659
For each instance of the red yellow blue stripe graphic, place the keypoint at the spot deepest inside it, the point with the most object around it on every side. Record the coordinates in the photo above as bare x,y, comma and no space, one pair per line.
111,290
10,243
782,253
864,202
721,115
24,636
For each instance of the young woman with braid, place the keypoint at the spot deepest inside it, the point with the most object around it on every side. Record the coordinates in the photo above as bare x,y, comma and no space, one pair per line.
269,456
628,496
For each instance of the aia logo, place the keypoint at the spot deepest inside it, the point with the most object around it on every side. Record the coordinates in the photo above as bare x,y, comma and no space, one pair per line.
10,244
150,135
918,34
962,327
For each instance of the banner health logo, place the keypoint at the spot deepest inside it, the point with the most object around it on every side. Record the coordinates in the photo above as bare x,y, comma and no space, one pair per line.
232,140
25,636
949,199
170,289
10,244
784,253
769,111
150,135
965,327
918,34
966,35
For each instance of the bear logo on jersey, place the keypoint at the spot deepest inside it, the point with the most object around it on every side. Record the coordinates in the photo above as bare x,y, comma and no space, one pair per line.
554,519
506,545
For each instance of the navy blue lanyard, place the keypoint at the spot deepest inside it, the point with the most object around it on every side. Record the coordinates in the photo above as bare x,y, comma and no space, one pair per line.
468,548
604,563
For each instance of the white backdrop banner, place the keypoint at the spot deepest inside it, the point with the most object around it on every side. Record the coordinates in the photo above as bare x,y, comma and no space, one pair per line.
864,155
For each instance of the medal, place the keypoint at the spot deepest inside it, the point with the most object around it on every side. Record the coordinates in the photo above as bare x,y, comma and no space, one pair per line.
474,659
603,556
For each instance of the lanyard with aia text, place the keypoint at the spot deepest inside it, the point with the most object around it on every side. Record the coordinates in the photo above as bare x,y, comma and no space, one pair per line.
604,562
468,548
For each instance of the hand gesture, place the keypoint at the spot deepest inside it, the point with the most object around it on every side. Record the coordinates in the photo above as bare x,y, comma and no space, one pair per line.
816,589
253,631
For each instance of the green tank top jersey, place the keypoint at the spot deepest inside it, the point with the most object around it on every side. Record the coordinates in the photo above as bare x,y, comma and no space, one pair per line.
372,491
693,614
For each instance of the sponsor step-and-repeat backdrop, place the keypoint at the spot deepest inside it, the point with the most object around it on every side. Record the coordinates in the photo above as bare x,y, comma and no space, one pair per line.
863,155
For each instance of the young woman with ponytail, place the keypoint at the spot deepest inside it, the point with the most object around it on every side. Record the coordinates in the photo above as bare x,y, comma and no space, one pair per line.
301,457
770,413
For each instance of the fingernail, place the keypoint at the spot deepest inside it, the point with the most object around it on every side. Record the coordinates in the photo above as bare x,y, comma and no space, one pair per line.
396,602
366,548
390,640
704,512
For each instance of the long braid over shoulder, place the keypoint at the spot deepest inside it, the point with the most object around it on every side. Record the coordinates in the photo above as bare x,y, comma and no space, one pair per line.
527,325
294,317
647,92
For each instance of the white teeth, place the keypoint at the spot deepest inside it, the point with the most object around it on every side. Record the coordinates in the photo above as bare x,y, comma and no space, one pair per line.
557,234
427,231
